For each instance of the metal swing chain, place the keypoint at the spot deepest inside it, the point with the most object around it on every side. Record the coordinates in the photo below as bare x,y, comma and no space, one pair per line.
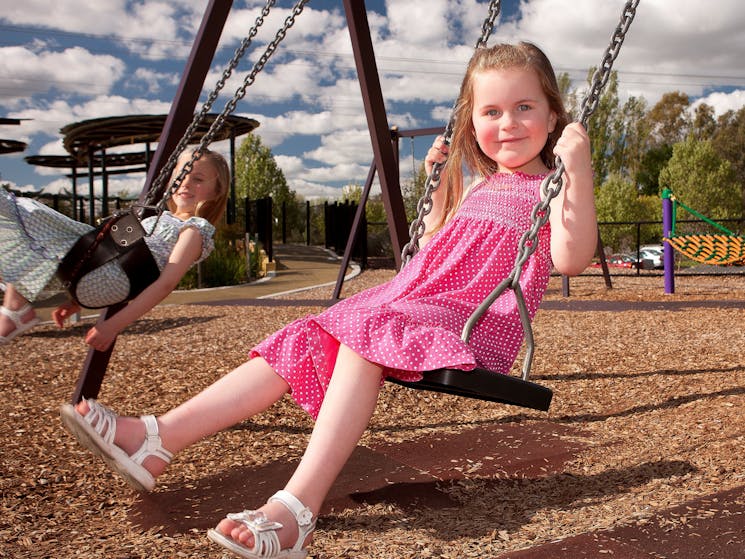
550,188
424,205
217,124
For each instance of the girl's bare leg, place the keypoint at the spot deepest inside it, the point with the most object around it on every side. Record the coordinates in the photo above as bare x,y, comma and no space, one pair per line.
14,301
243,393
345,413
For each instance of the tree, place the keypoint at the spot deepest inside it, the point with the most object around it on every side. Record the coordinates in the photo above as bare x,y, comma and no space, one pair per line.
617,199
413,190
256,172
669,120
702,179
605,129
257,175
728,139
703,125
633,140
568,95
648,173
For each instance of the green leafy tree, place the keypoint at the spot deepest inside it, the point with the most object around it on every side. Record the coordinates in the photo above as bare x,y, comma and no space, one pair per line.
728,140
617,200
257,175
702,179
633,140
648,173
605,129
413,190
568,95
703,125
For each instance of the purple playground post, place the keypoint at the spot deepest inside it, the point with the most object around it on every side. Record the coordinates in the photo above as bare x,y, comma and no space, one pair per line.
668,257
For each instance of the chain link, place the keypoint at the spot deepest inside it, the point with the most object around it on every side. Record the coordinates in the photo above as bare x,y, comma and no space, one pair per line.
424,205
217,124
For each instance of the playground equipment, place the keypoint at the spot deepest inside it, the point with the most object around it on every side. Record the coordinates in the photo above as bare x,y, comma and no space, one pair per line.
725,248
480,383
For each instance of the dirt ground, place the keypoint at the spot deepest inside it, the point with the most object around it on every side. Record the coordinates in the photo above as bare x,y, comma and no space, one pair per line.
648,396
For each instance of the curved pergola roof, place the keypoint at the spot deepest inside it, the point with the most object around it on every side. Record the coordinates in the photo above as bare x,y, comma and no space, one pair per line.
68,161
107,132
12,146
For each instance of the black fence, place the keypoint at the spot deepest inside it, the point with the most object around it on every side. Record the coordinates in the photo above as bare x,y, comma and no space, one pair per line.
330,224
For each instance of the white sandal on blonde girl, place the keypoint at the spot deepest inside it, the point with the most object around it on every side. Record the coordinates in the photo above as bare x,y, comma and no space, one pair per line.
15,318
266,542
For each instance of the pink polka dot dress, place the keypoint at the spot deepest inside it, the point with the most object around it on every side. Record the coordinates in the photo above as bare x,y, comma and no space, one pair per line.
413,323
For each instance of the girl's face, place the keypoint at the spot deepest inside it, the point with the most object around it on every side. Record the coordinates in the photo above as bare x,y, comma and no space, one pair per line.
200,185
512,119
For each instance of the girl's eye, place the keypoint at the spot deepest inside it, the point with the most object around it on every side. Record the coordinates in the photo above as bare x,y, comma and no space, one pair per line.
492,112
523,107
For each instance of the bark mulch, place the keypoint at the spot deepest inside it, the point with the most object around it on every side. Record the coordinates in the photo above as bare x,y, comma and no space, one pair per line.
640,455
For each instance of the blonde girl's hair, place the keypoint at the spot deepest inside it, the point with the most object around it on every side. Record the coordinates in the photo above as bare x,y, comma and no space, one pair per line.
211,210
465,153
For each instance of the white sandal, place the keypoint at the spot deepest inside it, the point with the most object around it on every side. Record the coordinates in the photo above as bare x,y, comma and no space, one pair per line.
266,542
95,431
15,317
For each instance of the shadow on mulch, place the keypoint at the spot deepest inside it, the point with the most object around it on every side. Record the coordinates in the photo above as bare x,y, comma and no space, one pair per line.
200,506
422,481
626,375
142,326
672,403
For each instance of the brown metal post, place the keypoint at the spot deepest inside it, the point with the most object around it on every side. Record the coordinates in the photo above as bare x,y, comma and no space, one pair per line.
181,114
380,135
354,232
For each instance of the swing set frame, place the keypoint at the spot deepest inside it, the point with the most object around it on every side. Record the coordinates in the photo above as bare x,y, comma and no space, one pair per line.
479,383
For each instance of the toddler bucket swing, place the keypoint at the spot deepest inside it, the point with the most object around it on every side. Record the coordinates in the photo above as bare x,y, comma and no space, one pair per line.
481,383
121,237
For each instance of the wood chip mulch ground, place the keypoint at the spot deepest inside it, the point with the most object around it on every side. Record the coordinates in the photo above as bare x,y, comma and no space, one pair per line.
647,415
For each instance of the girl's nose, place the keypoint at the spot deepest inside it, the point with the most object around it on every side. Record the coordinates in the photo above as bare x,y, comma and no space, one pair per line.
508,120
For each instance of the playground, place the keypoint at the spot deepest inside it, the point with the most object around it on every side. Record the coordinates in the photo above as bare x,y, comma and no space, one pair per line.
639,456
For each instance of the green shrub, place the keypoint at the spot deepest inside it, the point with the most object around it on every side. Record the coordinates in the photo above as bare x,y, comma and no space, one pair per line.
225,266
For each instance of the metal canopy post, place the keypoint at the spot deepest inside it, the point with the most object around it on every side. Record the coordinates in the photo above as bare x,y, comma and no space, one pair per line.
380,135
181,114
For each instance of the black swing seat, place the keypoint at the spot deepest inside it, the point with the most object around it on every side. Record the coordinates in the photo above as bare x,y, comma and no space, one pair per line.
484,385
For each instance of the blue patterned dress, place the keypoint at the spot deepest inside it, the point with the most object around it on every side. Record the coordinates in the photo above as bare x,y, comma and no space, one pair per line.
34,238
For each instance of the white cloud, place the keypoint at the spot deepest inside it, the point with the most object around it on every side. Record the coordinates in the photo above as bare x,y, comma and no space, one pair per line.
308,99
341,148
27,72
152,81
313,190
723,102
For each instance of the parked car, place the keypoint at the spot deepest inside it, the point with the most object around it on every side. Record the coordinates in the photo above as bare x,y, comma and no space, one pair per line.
621,260
653,254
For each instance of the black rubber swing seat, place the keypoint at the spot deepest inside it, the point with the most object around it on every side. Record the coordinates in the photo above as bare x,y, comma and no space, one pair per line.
483,384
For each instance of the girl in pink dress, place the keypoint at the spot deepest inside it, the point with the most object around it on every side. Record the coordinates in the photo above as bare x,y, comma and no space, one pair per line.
510,125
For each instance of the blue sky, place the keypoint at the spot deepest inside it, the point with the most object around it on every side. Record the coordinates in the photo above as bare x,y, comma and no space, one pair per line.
71,60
